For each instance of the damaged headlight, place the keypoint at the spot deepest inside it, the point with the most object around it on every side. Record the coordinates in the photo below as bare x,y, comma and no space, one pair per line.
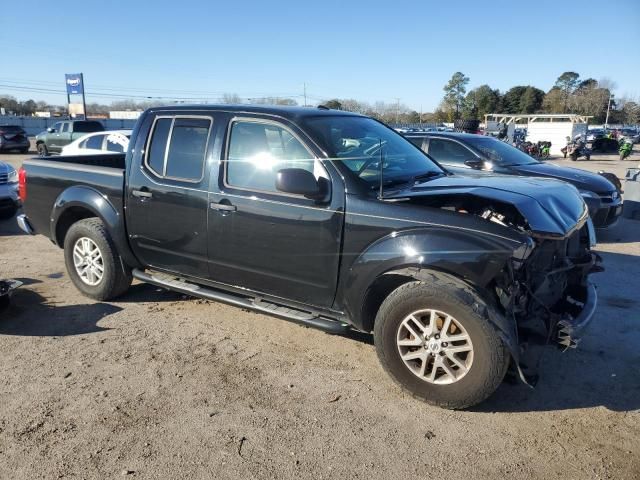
521,253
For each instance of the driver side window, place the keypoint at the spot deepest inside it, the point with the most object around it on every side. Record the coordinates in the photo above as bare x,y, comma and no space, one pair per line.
449,152
258,150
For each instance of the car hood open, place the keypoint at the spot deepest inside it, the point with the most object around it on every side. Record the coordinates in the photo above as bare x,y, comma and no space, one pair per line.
551,208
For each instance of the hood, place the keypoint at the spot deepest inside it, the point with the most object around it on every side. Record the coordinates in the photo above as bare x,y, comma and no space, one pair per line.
581,179
551,208
5,168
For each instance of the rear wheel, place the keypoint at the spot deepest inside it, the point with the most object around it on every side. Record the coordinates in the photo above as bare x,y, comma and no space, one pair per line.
93,262
436,341
42,150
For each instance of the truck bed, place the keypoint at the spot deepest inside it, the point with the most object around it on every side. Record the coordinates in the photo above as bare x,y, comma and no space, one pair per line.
49,177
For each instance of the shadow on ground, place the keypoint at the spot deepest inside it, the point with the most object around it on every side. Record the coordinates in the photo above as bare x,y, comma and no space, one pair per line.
29,314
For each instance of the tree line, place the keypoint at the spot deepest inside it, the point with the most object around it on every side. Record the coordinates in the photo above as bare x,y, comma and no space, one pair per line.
569,94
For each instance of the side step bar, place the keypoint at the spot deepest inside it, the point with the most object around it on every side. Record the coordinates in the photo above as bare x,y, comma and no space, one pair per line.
172,282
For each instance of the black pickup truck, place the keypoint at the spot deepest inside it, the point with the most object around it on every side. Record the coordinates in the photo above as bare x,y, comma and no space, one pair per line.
332,220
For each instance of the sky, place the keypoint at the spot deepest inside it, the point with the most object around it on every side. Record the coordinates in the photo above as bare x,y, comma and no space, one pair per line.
368,50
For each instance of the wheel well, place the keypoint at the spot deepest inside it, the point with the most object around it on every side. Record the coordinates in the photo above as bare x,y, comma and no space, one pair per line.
376,294
68,218
38,142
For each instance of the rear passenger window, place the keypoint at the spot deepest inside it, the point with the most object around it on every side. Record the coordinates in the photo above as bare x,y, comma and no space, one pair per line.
178,147
94,142
187,148
258,150
158,147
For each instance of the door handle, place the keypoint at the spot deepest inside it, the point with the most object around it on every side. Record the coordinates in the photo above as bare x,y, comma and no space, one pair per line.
141,194
223,207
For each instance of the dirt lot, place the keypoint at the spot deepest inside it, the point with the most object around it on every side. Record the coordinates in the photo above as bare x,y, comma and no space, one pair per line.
160,386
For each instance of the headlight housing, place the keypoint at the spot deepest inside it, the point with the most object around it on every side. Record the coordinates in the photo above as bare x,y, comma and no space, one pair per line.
13,176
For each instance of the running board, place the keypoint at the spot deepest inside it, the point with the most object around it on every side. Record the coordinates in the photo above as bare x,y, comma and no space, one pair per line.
178,284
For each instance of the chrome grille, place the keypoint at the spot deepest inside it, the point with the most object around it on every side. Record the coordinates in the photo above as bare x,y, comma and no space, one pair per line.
4,178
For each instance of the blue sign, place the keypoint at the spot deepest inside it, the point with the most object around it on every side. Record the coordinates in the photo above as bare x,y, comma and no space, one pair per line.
74,83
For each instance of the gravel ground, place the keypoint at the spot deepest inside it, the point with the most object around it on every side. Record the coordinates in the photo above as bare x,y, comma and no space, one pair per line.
161,386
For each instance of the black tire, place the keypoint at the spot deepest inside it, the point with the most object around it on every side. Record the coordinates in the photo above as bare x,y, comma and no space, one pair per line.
574,157
622,156
448,294
42,150
24,151
116,278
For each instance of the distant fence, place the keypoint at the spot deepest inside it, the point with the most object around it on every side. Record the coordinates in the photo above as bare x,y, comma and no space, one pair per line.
35,125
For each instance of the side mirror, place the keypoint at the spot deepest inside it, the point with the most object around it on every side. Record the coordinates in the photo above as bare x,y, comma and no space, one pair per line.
474,163
50,130
299,182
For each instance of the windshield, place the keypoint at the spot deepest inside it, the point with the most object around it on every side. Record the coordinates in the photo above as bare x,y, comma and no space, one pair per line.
360,142
499,152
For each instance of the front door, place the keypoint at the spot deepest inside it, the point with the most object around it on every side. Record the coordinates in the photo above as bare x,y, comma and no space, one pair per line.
54,138
167,195
259,238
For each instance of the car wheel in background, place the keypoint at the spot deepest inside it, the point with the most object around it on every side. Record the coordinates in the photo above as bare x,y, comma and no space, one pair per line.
42,150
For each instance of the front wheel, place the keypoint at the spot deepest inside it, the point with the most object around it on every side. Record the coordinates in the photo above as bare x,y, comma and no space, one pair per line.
42,150
92,261
436,341
574,157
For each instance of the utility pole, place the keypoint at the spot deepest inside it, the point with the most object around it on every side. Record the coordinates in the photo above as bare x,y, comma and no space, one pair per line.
397,110
420,114
304,86
606,121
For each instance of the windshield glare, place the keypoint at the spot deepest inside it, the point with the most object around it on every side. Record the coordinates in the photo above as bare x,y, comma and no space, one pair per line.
360,142
500,153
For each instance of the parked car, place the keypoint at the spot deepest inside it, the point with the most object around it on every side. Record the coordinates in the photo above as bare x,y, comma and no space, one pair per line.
9,201
632,135
593,134
332,220
53,139
13,137
110,141
465,153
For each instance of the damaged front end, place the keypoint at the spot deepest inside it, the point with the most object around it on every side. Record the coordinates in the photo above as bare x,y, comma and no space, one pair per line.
547,293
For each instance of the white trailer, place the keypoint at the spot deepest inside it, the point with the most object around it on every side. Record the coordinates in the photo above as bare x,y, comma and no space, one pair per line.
554,128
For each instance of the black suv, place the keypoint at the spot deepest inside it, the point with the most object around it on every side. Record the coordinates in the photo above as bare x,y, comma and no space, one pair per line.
469,153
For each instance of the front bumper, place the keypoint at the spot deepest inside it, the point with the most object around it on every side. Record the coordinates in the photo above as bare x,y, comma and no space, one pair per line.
570,328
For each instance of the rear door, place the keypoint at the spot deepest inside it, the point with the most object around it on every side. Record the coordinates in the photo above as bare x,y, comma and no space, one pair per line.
269,241
167,197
